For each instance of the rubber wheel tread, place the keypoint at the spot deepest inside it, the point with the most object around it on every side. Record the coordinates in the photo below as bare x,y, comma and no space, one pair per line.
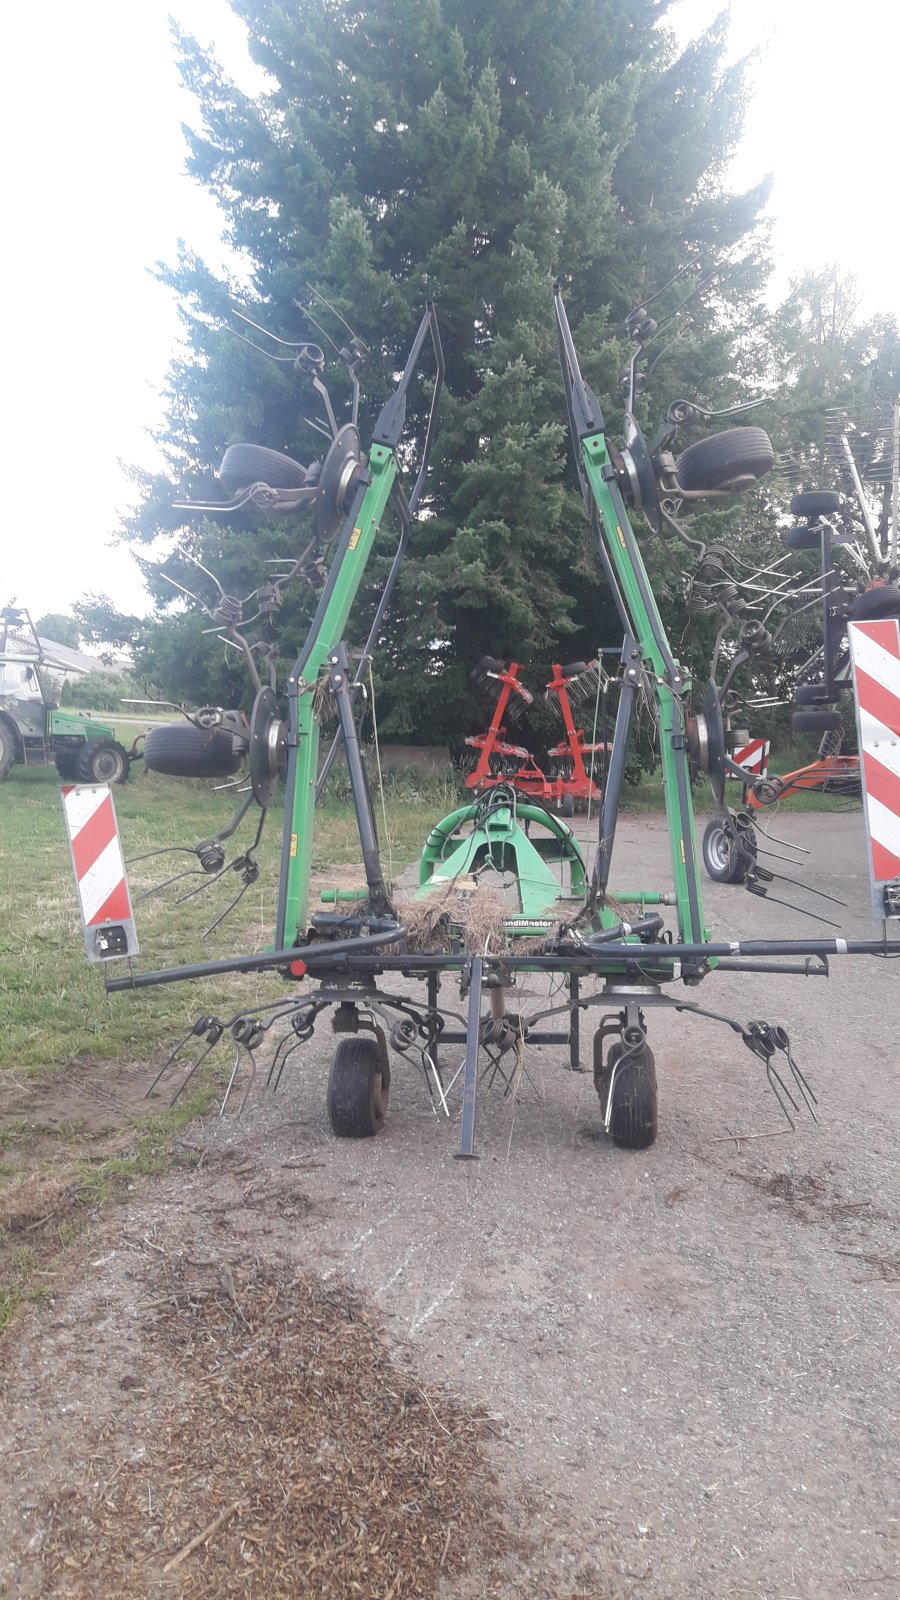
181,750
716,462
90,763
739,861
243,464
633,1114
358,1085
815,503
815,721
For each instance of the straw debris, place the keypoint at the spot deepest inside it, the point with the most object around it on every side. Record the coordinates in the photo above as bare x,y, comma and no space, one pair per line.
468,914
292,1456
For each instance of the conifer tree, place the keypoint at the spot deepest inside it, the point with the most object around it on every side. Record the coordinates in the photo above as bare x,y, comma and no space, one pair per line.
407,150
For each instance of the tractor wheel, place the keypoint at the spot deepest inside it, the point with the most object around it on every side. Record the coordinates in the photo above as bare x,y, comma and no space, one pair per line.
7,750
815,503
67,765
101,761
802,539
181,750
358,1087
728,460
726,859
632,1114
815,721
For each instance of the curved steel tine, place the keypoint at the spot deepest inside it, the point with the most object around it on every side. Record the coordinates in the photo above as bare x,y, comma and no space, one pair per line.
317,325
168,1062
210,878
252,1055
226,913
334,311
235,1065
269,354
775,1078
288,344
278,1049
198,1063
200,604
191,872
284,1062
164,849
805,1088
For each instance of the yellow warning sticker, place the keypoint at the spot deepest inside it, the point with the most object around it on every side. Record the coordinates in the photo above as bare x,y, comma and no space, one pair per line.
621,536
293,845
355,537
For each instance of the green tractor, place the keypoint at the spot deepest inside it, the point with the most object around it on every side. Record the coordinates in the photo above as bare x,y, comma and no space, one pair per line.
33,730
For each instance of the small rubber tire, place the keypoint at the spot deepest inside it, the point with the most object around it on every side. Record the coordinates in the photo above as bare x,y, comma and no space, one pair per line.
245,464
633,1113
566,806
813,694
726,459
802,539
101,761
181,750
7,750
726,860
815,503
358,1087
67,765
815,721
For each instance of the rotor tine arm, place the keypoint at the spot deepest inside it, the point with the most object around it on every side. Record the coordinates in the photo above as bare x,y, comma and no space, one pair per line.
226,913
252,1079
197,1064
157,888
209,880
168,1062
781,1092
234,1067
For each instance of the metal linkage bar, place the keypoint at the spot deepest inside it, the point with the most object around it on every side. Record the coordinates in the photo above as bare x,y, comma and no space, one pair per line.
339,676
361,954
466,1151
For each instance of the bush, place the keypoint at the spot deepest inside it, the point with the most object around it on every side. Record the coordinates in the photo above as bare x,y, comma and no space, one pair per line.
99,691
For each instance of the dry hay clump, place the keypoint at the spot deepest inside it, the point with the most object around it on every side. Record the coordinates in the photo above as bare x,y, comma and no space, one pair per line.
467,913
293,1457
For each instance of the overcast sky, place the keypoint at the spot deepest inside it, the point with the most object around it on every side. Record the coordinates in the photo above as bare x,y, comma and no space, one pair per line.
95,194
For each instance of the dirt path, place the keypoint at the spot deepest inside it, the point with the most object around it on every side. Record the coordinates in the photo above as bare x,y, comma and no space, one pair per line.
687,1356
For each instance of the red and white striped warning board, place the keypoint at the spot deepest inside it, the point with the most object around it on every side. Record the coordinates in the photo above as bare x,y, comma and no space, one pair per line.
875,652
103,898
753,757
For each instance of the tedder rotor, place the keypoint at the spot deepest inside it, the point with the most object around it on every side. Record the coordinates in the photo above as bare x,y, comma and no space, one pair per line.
616,951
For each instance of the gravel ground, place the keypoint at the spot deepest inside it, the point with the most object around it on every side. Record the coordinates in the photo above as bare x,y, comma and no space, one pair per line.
690,1352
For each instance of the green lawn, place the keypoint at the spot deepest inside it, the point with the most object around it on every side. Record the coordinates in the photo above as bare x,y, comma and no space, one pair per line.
53,1002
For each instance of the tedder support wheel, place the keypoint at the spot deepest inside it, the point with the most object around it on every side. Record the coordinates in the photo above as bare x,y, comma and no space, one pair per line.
101,761
632,1114
815,721
802,539
726,859
182,750
815,503
358,1087
726,461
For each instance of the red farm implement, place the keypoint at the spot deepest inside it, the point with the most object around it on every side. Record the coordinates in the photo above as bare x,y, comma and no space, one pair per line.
571,764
